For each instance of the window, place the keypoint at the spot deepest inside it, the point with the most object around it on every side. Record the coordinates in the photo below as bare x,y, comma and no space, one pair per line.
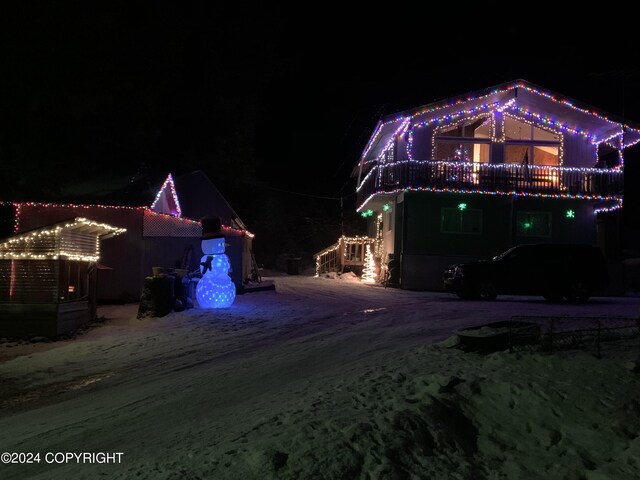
454,220
468,141
476,128
533,224
461,151
528,144
74,281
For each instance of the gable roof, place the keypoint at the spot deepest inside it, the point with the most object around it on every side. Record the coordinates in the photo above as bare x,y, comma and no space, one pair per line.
521,97
166,200
199,197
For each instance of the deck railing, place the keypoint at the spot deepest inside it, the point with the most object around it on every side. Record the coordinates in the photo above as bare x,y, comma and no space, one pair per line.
346,252
486,177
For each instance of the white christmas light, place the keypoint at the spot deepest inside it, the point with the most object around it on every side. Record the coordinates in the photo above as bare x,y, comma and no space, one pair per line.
369,271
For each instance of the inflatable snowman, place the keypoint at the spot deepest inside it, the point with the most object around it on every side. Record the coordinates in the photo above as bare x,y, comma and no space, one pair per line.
215,289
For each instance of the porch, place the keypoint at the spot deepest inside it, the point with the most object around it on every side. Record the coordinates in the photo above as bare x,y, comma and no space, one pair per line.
504,178
347,252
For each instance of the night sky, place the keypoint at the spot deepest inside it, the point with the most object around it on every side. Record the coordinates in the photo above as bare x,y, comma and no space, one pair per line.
268,101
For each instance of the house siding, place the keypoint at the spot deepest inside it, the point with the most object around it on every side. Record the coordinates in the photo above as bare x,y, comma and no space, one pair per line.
425,251
578,152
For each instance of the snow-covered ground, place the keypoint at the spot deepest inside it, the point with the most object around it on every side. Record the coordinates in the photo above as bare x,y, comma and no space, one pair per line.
324,378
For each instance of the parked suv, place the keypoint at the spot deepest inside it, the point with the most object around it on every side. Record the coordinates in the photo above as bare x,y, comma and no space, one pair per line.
553,271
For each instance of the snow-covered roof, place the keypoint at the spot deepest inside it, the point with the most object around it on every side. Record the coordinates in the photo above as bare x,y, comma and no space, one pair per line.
74,239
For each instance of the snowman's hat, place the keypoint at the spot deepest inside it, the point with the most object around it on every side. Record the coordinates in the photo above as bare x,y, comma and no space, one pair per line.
211,228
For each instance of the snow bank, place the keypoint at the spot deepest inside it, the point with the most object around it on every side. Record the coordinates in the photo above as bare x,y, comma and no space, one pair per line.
324,379
435,412
346,276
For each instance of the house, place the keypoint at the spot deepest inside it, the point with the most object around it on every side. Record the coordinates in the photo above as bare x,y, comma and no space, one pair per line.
467,177
159,235
48,277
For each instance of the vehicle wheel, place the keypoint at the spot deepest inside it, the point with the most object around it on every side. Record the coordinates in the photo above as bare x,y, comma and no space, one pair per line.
487,290
578,292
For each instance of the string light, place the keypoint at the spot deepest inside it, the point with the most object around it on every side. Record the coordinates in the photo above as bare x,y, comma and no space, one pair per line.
375,135
51,243
554,123
18,207
608,209
499,192
69,205
566,103
510,104
148,211
342,241
371,172
529,89
462,121
609,171
541,127
460,101
379,242
168,184
462,114
401,130
369,271
18,210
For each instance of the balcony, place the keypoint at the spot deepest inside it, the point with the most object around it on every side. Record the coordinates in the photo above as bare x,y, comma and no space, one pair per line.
507,178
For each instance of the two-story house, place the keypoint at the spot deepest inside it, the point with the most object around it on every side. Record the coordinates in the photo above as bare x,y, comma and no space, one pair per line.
467,177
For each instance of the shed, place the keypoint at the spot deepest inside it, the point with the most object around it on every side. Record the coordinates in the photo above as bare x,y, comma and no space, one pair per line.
163,234
48,277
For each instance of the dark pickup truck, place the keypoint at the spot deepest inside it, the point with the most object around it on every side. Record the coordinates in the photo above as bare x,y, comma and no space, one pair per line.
553,271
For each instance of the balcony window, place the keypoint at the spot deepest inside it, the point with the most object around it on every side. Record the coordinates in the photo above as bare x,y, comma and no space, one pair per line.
528,144
477,128
468,141
461,151
532,154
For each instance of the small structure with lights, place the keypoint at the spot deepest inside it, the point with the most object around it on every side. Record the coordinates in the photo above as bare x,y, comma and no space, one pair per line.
164,233
48,277
469,176
348,253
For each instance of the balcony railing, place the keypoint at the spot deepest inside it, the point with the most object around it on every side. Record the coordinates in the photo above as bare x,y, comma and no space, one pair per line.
485,177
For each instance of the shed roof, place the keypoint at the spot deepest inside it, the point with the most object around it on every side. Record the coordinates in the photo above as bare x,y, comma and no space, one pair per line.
75,239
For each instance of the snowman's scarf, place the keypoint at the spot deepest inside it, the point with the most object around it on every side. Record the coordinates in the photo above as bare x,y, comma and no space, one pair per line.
207,263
